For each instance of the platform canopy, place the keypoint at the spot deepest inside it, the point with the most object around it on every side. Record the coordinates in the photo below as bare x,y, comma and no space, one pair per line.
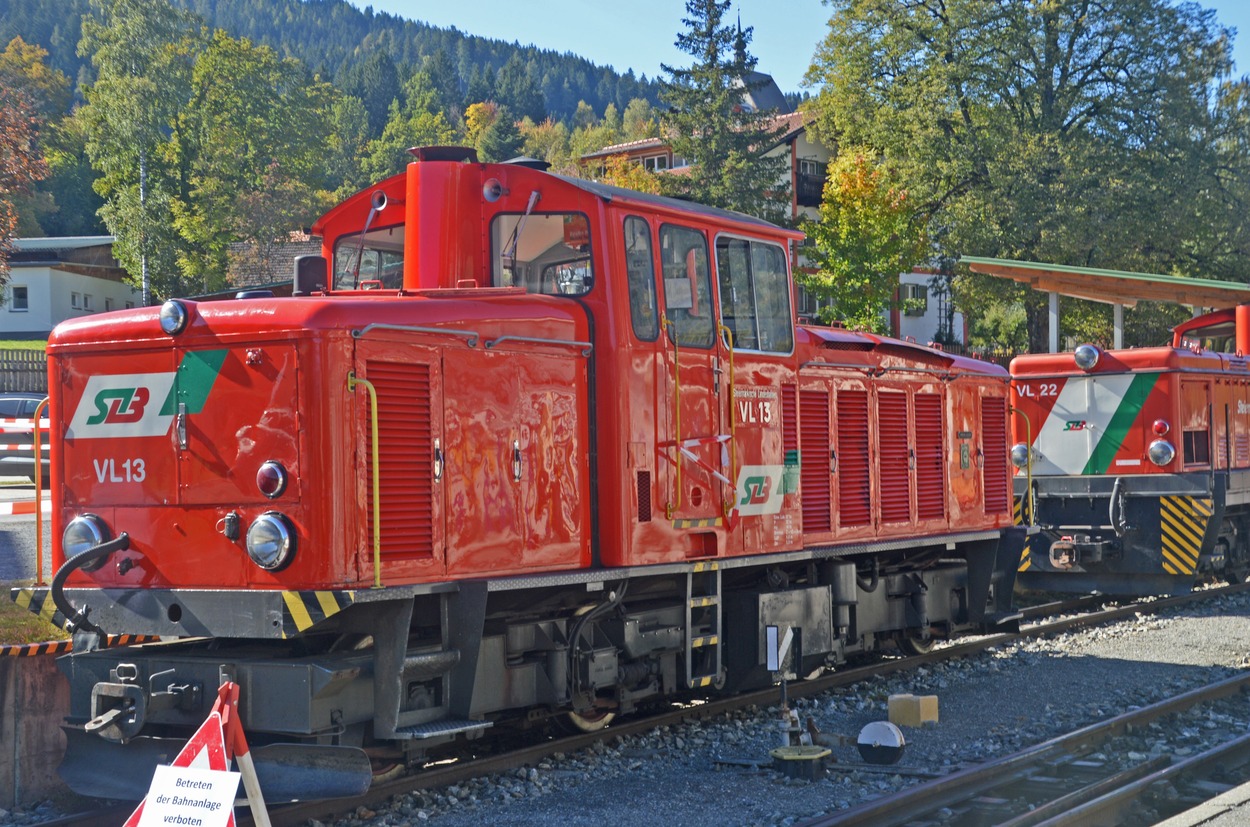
1116,287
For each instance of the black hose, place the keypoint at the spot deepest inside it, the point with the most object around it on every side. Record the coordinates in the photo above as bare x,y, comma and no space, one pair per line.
870,585
78,617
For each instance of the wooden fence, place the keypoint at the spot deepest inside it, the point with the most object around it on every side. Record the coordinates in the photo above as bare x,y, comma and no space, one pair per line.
23,370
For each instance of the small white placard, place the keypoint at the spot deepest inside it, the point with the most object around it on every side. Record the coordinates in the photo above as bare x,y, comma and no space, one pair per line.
189,797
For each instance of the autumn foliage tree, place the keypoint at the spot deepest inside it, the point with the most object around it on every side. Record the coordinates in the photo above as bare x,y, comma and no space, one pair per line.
21,164
866,236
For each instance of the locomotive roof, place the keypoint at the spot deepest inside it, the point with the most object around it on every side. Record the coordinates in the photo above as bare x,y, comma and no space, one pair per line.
879,349
611,193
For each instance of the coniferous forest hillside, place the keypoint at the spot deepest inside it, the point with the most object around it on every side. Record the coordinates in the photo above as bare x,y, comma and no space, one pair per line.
334,39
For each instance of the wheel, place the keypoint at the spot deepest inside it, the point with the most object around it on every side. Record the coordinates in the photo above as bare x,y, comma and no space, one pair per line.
590,721
914,645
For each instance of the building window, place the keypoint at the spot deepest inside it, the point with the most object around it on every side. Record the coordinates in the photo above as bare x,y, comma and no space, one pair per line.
19,300
75,301
915,299
655,162
86,301
811,168
130,305
108,304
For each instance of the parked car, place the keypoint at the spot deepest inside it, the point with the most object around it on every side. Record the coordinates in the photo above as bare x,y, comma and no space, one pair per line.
17,435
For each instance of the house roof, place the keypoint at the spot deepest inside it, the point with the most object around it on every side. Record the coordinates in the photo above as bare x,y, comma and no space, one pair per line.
72,242
629,146
1113,286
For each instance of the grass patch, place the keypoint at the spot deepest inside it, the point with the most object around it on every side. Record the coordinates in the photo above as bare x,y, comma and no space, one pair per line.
18,626
23,344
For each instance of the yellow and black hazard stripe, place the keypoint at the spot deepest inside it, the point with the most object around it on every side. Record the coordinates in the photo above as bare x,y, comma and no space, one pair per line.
30,650
1182,525
39,601
1017,514
702,522
303,610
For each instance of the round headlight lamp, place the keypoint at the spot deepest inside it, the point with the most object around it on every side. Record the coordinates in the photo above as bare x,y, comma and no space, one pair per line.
1020,455
1161,427
271,541
1086,357
1161,452
84,533
174,317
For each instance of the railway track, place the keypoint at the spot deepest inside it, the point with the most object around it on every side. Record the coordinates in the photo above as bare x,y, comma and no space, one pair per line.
1037,621
1070,781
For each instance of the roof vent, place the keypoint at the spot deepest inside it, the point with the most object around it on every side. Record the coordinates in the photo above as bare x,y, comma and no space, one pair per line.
457,154
531,163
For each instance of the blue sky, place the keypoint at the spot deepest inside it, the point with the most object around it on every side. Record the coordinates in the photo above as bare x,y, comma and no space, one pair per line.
640,34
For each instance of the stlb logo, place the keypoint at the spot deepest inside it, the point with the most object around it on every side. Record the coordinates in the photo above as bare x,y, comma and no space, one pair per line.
119,406
757,489
1074,425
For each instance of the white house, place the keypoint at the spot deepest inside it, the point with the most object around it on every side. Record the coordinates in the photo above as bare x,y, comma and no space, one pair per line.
54,279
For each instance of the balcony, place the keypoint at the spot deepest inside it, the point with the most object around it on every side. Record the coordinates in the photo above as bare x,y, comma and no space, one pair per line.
808,189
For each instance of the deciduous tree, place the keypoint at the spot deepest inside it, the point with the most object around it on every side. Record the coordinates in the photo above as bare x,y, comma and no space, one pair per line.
1065,131
865,237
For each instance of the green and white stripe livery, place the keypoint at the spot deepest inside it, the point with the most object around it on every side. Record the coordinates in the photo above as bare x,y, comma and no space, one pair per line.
1088,423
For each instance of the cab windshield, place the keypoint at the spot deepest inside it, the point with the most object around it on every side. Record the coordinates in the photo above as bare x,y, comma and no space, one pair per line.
544,253
376,264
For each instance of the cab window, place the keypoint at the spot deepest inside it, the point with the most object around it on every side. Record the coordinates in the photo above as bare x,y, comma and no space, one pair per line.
640,269
377,263
544,253
687,286
755,294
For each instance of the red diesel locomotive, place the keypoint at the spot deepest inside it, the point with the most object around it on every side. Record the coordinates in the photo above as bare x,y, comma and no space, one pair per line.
519,446
1135,464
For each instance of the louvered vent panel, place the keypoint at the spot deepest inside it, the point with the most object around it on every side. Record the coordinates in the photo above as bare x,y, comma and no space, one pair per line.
405,446
930,486
1243,450
892,435
814,461
854,479
995,476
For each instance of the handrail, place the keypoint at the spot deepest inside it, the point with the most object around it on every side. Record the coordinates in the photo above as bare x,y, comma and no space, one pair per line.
1028,464
586,347
733,421
878,370
352,382
470,335
671,506
38,447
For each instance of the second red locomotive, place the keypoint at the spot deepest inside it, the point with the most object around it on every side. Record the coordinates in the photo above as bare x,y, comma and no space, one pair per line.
1135,464
520,446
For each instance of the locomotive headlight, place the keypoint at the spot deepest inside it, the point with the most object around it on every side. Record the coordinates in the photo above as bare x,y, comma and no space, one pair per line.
271,478
1020,455
1161,452
1086,357
83,533
174,317
270,541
